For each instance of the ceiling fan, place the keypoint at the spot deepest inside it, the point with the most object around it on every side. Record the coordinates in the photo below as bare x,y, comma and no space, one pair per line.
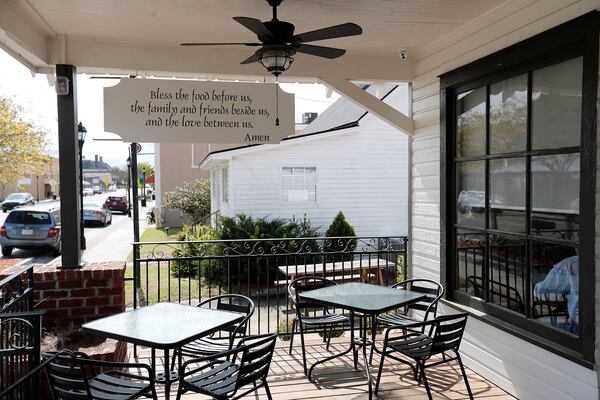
278,43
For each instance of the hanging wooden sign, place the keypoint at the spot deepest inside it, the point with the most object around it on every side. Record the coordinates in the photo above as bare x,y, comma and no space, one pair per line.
178,111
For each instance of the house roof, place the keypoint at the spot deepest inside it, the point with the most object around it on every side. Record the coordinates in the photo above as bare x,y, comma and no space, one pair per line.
94,165
342,114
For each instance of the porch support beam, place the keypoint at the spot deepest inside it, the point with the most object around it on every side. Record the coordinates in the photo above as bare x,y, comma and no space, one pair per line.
68,156
371,103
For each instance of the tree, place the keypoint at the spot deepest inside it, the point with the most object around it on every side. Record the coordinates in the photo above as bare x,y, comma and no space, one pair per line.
340,228
22,145
119,175
141,165
191,198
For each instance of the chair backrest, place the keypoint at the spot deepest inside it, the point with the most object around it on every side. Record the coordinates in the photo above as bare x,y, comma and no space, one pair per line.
447,332
507,295
234,303
305,284
432,289
65,375
257,353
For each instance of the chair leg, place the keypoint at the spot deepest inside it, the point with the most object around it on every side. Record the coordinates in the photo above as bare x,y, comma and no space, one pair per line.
373,331
462,368
329,338
422,368
154,395
179,391
303,349
175,353
266,386
292,337
380,369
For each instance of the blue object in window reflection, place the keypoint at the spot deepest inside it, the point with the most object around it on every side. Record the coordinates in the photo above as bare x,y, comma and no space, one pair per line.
561,283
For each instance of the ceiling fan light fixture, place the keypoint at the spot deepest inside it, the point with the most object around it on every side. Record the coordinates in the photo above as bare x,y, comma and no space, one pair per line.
276,61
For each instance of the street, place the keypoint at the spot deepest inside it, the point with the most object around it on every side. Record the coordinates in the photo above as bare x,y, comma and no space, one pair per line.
109,243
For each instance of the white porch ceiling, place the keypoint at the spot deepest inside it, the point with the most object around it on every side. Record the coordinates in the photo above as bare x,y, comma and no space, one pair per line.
143,35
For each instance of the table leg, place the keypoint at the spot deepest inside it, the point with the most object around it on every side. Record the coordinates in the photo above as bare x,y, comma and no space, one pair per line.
167,375
364,343
350,348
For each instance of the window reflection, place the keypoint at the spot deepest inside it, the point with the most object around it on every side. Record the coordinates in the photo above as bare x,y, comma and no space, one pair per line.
470,253
471,193
508,115
555,196
470,123
555,285
507,194
556,105
507,273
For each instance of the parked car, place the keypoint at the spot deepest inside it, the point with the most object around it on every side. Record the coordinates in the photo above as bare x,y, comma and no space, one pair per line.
88,192
27,228
117,203
97,190
99,213
17,200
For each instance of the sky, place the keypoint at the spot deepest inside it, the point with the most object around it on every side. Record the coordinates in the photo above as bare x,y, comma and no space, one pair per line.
38,100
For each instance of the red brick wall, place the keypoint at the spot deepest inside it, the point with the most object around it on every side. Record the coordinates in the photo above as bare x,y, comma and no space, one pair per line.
72,297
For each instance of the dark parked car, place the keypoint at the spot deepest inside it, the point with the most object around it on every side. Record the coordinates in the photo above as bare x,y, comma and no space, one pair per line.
116,203
17,200
27,228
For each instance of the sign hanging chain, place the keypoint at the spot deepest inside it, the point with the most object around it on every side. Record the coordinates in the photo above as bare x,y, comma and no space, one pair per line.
276,101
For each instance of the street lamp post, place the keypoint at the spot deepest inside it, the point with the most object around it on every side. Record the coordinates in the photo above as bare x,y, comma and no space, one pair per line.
129,187
81,131
144,187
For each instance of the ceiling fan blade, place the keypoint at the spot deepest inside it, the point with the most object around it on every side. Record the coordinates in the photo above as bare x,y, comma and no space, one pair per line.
319,51
256,26
342,30
252,59
220,44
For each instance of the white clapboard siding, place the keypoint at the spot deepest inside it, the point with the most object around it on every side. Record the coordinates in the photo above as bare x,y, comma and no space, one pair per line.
519,367
361,171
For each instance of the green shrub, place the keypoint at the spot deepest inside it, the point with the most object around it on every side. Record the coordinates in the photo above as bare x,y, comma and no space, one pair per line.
340,228
193,268
265,269
285,329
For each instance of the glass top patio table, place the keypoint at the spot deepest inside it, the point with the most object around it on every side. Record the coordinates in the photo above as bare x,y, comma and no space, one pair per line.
162,325
362,297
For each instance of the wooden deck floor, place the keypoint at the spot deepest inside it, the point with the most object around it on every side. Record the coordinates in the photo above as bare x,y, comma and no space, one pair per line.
337,379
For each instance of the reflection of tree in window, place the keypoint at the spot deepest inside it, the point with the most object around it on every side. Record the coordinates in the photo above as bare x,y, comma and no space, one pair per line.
470,123
508,115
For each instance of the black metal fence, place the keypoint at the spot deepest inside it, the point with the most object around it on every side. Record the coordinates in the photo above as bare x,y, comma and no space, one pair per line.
188,272
20,335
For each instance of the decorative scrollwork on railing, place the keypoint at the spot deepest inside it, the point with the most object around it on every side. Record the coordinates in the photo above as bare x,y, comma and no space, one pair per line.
268,247
17,333
11,291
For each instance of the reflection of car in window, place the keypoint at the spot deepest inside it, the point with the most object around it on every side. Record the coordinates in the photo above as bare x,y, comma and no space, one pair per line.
471,200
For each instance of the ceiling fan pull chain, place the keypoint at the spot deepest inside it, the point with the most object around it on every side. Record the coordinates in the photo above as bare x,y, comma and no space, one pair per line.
276,101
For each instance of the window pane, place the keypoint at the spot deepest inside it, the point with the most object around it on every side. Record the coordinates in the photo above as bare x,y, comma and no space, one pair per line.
470,253
470,123
555,286
508,115
556,105
507,273
555,196
507,194
471,193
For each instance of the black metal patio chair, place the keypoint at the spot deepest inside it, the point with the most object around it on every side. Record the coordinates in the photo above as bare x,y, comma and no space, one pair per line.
422,340
223,340
75,376
224,374
321,319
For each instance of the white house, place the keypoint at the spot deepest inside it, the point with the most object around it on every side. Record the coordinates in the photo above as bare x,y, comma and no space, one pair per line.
346,160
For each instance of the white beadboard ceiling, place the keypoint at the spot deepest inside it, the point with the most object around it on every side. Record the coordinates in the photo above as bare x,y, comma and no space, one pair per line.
388,24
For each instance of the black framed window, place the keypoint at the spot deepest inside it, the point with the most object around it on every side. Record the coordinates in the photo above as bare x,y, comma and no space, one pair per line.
518,170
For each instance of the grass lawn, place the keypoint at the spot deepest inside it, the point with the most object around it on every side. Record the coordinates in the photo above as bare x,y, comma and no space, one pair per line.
155,276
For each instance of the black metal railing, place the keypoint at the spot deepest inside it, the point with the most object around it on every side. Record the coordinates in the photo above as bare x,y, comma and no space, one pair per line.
16,291
20,335
188,272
